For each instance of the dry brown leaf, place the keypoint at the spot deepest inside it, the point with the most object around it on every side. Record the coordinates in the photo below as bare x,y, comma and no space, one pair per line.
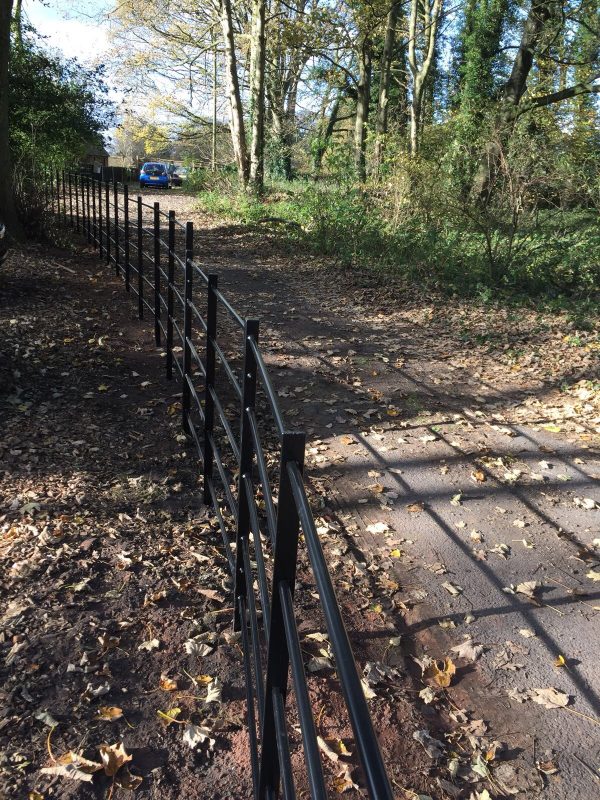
110,713
113,757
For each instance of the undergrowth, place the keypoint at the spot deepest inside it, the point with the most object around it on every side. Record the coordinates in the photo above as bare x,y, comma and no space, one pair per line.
549,257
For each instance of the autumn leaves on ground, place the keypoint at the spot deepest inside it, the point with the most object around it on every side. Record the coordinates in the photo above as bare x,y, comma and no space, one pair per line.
120,672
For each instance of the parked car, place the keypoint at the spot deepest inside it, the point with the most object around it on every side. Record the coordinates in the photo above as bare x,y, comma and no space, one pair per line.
3,245
155,174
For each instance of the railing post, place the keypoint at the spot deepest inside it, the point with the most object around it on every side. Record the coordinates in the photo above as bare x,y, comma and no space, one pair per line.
171,280
140,258
245,466
284,571
187,327
94,225
107,217
71,201
100,232
209,405
156,230
89,209
76,203
116,226
82,187
64,193
126,233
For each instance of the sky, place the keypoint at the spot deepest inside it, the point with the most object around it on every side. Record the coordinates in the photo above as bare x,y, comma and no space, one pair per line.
74,28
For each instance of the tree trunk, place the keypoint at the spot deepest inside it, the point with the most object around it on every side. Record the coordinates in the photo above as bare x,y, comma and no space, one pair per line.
215,89
539,13
238,132
431,15
324,139
257,101
384,82
362,109
8,212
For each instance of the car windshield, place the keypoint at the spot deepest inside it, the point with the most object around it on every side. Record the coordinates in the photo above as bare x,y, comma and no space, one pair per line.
153,169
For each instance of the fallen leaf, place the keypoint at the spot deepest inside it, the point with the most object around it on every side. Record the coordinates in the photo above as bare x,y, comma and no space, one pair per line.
193,735
468,650
441,675
110,713
151,644
550,698
378,527
167,684
167,717
452,588
113,757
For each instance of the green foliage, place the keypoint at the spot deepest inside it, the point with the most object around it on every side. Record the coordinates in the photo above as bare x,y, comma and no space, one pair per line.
57,108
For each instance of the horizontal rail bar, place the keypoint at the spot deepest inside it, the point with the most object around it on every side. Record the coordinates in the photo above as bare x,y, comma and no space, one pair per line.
228,370
360,719
232,312
268,386
312,756
263,475
225,423
221,521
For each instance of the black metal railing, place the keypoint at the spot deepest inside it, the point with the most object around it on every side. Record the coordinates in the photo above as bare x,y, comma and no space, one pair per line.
229,408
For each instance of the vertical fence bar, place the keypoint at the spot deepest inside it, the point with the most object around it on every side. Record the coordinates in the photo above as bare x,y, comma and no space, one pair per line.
94,223
76,182
140,258
64,196
58,195
209,405
284,571
71,201
187,329
116,227
245,467
82,187
107,217
100,232
170,282
88,209
156,238
126,233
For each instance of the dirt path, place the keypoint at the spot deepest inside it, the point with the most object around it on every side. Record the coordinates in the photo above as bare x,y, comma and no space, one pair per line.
427,424
468,437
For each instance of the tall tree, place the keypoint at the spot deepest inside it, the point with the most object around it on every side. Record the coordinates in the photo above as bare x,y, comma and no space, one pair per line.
363,100
422,33
7,202
511,105
257,98
385,75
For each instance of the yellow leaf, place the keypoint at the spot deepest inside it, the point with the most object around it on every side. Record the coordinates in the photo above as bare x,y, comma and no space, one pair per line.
377,608
560,661
110,713
103,387
167,717
552,428
204,679
35,796
168,684
392,412
442,676
395,553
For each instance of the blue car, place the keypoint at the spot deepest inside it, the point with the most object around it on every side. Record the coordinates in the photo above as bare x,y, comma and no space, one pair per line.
155,174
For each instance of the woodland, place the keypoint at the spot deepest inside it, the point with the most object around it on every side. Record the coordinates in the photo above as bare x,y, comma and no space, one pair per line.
457,144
